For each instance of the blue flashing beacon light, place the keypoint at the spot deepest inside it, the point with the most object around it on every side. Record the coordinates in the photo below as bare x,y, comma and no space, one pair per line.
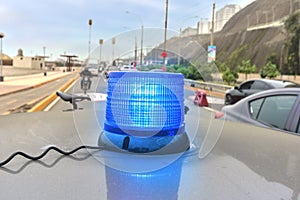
145,113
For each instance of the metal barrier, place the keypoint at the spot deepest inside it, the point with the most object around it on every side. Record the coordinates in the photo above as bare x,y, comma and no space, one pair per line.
213,87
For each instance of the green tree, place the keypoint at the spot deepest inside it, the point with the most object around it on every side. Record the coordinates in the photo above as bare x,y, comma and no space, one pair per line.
236,56
273,59
246,67
292,26
270,71
184,71
222,66
193,73
229,76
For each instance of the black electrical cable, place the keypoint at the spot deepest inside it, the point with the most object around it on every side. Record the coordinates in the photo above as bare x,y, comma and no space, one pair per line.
66,153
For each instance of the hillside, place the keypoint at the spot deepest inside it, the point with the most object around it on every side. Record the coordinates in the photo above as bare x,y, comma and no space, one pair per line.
264,37
257,44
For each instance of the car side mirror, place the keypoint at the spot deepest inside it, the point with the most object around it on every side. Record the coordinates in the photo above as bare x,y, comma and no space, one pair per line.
236,88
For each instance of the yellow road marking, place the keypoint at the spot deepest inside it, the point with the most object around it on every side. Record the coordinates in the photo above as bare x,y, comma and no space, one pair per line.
5,113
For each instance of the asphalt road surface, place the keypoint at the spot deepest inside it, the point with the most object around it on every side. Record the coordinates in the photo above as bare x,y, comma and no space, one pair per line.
22,101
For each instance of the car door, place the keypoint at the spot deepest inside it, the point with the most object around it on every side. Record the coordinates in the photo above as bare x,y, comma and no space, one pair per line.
245,89
274,111
294,121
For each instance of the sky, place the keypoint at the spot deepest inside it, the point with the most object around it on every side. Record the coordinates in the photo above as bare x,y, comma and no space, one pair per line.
61,26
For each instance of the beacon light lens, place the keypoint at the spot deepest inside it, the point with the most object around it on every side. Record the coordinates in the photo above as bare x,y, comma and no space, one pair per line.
145,103
145,107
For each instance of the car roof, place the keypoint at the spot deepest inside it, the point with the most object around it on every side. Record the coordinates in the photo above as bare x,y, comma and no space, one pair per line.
287,90
57,177
277,91
270,92
222,155
276,83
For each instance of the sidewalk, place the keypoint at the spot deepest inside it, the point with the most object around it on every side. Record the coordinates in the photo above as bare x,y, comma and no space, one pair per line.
14,84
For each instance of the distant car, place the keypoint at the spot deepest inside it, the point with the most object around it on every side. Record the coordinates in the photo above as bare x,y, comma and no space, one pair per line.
110,69
93,68
128,68
250,87
275,108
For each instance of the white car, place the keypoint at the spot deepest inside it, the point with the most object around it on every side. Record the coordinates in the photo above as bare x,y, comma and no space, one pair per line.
128,68
93,68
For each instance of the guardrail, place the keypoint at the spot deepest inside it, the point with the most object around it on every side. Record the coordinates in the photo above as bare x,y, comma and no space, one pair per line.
213,89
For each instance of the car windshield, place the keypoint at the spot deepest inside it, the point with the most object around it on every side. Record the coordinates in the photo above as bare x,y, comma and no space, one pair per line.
112,68
93,66
128,99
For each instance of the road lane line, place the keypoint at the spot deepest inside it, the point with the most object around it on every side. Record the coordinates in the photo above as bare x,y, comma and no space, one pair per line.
44,103
6,113
52,104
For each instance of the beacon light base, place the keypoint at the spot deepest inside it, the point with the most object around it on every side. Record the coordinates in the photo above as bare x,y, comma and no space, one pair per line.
155,145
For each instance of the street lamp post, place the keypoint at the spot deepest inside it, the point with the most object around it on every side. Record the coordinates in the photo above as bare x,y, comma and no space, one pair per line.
142,35
165,32
100,51
1,63
44,50
90,28
113,41
212,25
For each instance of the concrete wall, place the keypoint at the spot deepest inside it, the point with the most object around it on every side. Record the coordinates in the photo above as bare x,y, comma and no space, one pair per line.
28,62
283,77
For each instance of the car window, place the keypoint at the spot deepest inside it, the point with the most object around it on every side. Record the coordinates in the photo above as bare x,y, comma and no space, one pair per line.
255,107
92,66
113,68
258,85
273,110
246,85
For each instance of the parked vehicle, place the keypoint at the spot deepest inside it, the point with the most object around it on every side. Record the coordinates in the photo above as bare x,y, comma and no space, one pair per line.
250,87
110,69
275,108
93,68
128,68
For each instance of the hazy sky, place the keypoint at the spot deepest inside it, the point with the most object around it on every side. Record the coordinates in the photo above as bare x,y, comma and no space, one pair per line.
62,25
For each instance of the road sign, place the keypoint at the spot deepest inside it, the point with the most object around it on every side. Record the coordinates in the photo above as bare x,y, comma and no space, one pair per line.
211,53
164,54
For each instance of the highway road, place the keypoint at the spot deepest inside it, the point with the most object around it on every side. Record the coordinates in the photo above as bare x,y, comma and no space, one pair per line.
22,101
99,85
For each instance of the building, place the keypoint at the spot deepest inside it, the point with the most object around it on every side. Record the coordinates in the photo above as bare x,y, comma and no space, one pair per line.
6,60
204,26
28,62
189,32
223,15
